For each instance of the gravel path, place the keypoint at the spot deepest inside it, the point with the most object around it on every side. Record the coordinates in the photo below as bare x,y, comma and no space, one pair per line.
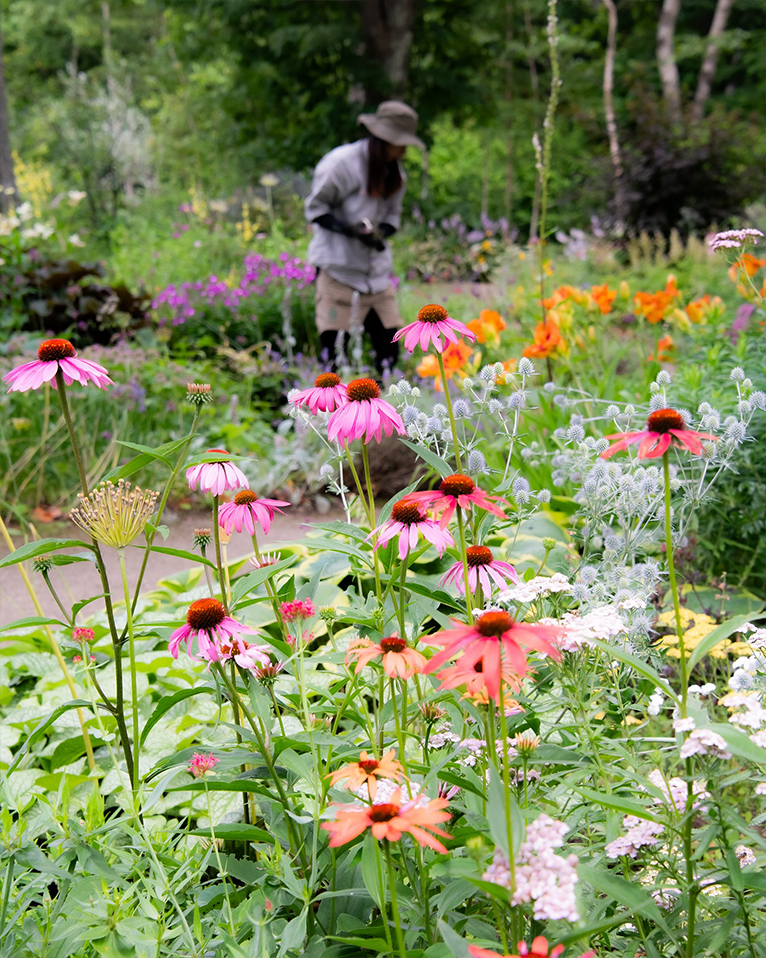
80,579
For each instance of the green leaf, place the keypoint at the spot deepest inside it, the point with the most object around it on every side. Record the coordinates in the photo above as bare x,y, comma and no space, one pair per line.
372,868
246,583
147,450
739,743
168,701
615,801
457,945
33,620
434,461
236,833
142,460
40,548
721,632
321,544
181,554
642,667
42,726
622,891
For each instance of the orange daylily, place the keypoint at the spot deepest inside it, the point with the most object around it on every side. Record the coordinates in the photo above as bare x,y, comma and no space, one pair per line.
664,348
604,297
656,306
559,295
547,341
455,356
747,263
488,325
707,306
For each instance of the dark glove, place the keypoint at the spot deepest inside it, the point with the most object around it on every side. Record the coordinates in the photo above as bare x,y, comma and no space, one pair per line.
366,234
331,222
386,230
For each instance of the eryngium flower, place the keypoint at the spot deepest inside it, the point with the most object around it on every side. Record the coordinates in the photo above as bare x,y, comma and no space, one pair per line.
115,515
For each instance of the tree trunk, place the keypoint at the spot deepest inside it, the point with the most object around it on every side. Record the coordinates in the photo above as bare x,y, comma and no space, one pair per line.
666,59
387,27
710,60
611,123
8,193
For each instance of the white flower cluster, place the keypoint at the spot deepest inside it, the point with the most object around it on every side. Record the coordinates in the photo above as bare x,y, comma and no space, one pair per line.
641,833
471,749
704,742
541,585
579,631
745,856
733,239
542,877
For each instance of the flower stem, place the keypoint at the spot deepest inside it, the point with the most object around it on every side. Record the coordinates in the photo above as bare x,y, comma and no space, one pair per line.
221,871
507,789
383,909
464,557
448,401
674,584
133,673
217,540
394,901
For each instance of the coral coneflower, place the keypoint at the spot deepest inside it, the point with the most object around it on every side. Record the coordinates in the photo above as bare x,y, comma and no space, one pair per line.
483,569
493,637
473,677
365,415
455,490
246,510
538,949
409,521
208,624
367,771
390,820
216,477
398,658
432,323
52,355
327,393
664,427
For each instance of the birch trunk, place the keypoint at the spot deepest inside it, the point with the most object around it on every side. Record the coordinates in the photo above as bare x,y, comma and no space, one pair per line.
710,60
666,59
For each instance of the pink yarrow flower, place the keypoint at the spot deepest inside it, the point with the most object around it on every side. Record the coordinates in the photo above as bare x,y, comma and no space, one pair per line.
218,636
327,393
216,477
364,416
298,609
483,569
409,521
83,634
201,764
246,510
432,323
455,490
664,427
52,355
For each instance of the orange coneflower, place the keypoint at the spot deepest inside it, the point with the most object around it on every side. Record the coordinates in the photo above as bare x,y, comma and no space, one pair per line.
398,658
390,820
366,772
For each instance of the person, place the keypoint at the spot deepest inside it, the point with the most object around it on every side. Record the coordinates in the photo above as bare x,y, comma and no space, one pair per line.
355,205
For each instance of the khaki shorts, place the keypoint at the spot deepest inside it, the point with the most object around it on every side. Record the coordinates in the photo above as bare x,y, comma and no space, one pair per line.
333,305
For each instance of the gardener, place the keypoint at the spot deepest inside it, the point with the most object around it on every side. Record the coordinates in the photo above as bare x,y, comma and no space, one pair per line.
356,205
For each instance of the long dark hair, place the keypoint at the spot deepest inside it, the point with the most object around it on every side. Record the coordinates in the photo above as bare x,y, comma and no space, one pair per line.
384,178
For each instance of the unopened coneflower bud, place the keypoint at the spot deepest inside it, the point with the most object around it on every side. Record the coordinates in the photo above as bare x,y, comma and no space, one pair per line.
328,613
202,538
431,712
198,393
549,543
115,515
267,559
526,742
42,564
268,674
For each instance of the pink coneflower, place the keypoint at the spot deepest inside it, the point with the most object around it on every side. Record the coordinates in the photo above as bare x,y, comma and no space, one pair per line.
208,623
246,510
491,638
327,393
298,609
483,569
409,521
664,428
398,658
52,355
216,477
365,415
455,490
201,764
431,324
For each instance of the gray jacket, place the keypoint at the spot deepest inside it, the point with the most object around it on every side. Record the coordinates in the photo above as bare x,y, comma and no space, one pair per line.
340,188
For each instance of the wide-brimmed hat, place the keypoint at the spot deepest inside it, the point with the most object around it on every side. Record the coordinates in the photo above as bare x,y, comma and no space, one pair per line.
394,122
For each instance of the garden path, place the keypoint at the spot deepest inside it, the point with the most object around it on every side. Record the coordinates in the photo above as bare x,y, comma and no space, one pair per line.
80,579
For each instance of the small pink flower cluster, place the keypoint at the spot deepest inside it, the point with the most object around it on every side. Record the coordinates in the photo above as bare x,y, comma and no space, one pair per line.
542,877
201,764
733,239
83,635
640,834
299,609
704,742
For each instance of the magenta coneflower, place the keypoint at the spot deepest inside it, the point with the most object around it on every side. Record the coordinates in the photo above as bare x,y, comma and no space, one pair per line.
433,322
409,521
498,643
52,355
208,623
327,393
483,569
216,477
246,510
664,428
455,490
365,415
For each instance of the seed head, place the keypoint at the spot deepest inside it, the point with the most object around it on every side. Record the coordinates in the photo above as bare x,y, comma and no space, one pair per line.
327,380
115,515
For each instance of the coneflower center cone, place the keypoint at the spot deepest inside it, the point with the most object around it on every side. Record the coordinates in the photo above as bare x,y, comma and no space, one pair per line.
393,644
327,380
205,614
384,812
360,389
55,349
493,624
663,420
457,485
433,313
478,555
406,512
245,497
369,765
